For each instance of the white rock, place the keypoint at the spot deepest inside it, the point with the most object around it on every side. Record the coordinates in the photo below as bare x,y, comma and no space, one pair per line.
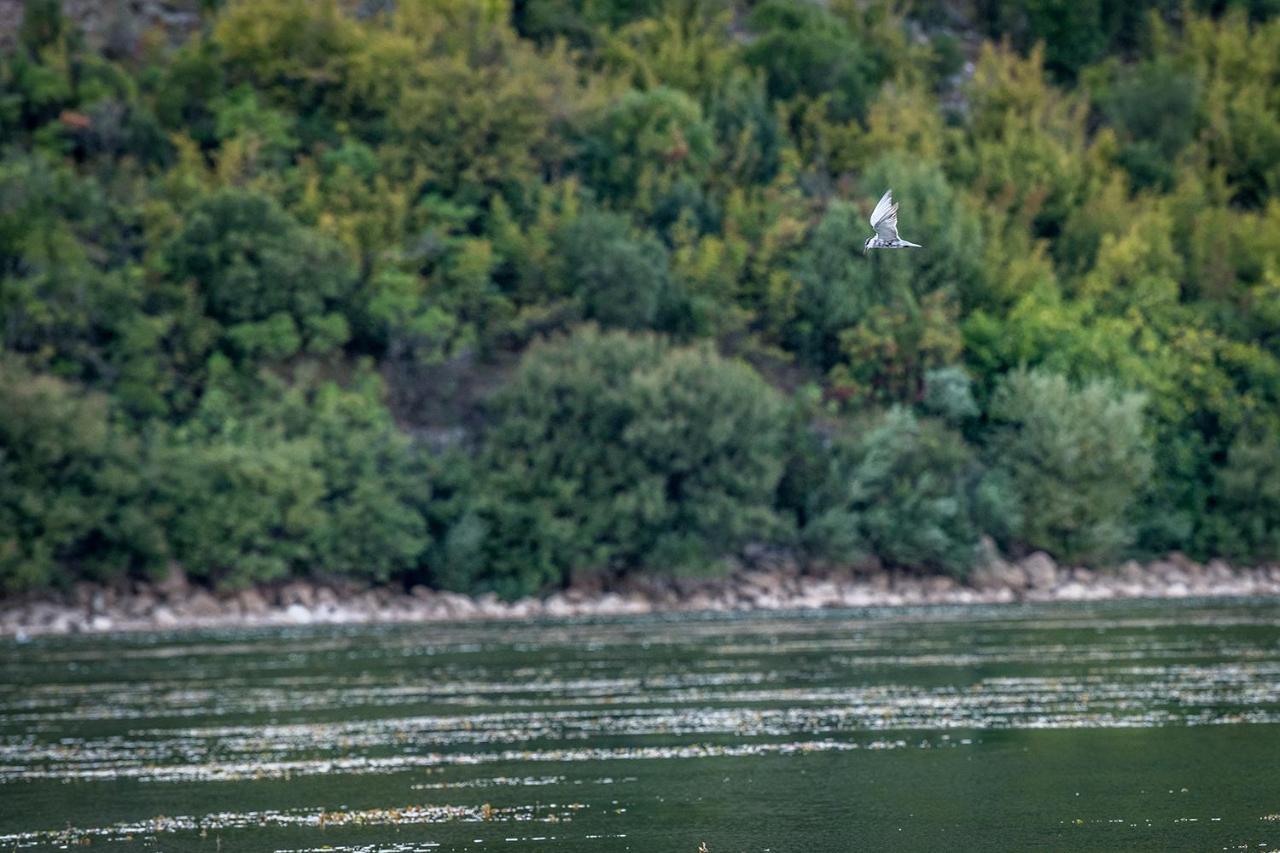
637,603
298,614
557,606
1071,591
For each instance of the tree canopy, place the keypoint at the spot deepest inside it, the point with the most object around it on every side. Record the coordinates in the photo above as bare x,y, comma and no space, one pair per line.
490,295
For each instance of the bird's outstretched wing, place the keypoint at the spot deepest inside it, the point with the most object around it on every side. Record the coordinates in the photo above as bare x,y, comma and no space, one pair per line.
884,219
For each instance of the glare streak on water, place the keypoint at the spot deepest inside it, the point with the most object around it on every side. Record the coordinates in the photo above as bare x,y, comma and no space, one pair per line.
655,733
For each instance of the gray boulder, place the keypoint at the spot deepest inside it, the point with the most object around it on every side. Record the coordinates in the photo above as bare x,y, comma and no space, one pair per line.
1041,570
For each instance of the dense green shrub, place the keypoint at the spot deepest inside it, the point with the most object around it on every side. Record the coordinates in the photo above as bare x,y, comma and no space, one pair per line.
804,49
1248,499
834,285
615,451
907,492
73,496
1076,458
1075,32
1155,106
622,279
311,478
375,481
643,143
577,20
240,511
948,394
69,287
275,286
750,135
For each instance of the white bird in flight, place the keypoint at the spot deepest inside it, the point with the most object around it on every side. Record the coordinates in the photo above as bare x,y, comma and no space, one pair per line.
884,219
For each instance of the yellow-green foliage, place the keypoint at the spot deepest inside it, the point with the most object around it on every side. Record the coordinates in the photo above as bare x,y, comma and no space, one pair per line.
202,244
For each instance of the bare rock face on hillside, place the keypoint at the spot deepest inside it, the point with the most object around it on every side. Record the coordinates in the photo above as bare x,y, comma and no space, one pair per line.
117,27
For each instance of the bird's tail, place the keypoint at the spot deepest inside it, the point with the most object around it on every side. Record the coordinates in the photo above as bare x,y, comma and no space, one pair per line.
910,245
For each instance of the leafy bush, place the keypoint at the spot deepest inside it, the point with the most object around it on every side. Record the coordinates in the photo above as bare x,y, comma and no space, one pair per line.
274,285
73,496
948,394
1155,106
833,289
1248,499
310,479
467,110
907,493
241,512
1076,458
644,142
804,49
621,279
68,287
577,20
1074,33
375,482
612,451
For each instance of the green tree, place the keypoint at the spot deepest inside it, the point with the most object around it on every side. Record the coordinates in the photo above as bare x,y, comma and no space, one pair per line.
1248,499
577,20
613,451
620,277
647,146
73,492
905,490
1076,458
275,286
804,49
1155,105
240,511
269,480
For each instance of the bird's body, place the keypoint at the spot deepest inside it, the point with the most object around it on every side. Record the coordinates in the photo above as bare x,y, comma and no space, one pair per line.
884,220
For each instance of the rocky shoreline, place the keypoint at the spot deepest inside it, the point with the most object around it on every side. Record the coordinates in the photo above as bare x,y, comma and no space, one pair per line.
174,603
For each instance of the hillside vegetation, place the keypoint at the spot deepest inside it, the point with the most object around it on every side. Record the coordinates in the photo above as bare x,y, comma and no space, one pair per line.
495,295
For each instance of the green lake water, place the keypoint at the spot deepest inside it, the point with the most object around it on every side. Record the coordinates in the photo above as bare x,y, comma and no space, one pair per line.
1152,726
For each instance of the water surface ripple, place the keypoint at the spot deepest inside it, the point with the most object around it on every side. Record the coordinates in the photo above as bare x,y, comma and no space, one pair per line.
1071,727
